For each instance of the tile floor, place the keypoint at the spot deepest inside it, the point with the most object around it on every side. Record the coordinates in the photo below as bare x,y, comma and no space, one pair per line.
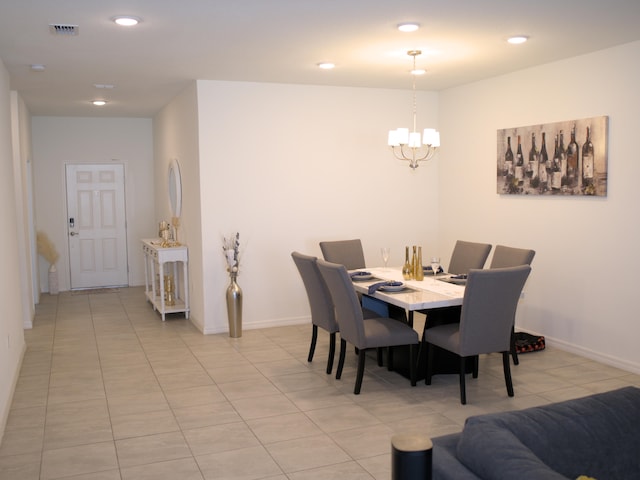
107,391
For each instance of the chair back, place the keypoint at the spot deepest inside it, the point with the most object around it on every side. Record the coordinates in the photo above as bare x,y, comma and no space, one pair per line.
344,252
319,297
488,308
345,301
468,255
511,257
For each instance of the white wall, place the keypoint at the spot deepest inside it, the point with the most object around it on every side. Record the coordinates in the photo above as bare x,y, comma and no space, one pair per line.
67,140
582,289
290,165
175,134
11,321
23,182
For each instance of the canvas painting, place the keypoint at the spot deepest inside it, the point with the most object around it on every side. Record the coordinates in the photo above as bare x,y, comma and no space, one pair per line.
561,158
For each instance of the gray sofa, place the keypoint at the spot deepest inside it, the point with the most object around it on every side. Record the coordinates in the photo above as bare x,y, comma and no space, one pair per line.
597,436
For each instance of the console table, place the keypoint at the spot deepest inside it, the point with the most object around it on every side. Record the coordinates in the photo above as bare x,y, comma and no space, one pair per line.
155,258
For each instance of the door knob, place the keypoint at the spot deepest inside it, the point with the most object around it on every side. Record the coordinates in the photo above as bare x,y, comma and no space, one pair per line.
73,234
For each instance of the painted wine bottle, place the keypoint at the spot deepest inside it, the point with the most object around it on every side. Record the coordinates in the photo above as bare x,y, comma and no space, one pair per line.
572,161
519,167
587,161
544,169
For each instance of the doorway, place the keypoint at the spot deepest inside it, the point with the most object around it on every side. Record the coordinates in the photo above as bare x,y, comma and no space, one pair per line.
96,225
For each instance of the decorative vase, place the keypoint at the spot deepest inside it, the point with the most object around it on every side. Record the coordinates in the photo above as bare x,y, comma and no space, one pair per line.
53,280
406,268
414,261
418,273
234,307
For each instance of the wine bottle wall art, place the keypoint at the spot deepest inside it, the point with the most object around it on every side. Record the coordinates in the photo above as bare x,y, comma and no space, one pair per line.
573,163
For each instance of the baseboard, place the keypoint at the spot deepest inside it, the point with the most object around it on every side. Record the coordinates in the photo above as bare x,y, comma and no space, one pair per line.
588,353
280,322
4,415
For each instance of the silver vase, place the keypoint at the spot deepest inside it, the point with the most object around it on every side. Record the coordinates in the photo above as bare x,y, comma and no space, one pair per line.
234,307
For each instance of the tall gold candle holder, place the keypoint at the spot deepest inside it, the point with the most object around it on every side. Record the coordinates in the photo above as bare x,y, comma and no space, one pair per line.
169,291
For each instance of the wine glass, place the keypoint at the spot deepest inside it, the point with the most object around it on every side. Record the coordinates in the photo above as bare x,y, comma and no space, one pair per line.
435,265
385,255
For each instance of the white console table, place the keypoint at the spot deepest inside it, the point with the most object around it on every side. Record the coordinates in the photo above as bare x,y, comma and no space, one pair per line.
155,258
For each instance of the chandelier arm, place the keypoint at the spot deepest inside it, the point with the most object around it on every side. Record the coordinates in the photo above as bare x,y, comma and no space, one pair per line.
418,155
399,153
395,153
425,153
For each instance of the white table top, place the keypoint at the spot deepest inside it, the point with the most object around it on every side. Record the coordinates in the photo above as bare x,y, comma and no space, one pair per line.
428,293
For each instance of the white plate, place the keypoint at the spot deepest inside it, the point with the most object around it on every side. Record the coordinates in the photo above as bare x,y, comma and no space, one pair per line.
393,288
360,276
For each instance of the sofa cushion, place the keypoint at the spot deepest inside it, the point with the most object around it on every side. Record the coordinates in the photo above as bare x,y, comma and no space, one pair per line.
597,436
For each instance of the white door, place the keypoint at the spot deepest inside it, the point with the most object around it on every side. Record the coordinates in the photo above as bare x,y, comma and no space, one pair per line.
96,223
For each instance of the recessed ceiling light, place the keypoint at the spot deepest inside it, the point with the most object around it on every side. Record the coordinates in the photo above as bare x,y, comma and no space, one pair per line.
326,65
517,39
37,67
99,103
127,20
408,27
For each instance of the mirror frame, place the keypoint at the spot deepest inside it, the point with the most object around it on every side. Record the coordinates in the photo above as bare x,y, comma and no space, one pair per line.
175,188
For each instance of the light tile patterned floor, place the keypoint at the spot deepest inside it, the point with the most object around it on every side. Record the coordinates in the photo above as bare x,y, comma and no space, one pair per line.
108,391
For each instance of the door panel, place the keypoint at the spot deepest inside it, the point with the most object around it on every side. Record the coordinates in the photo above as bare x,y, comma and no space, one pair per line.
97,225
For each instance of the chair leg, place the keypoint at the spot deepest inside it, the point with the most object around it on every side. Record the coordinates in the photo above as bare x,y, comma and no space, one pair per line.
361,358
343,351
514,352
507,373
429,372
332,352
463,389
380,359
476,362
312,347
413,350
390,358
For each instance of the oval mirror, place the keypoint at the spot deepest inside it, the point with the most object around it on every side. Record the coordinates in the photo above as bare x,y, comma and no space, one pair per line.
175,188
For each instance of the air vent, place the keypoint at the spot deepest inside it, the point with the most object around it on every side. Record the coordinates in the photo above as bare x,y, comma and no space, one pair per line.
63,29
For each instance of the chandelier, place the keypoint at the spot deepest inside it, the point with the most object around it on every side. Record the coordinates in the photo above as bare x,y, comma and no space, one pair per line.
408,145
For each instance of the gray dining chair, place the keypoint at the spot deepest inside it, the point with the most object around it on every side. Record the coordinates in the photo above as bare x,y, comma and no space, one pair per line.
322,312
512,257
488,308
350,254
344,252
320,303
468,255
363,335
465,256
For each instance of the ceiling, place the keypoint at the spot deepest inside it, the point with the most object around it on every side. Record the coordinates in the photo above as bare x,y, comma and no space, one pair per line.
282,41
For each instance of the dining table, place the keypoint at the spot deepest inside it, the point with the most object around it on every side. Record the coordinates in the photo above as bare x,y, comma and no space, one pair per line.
438,296
433,292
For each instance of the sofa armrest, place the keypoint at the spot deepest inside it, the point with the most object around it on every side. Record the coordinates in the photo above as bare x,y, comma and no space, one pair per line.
445,465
